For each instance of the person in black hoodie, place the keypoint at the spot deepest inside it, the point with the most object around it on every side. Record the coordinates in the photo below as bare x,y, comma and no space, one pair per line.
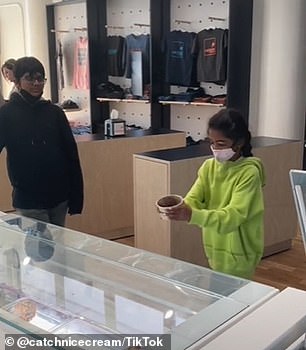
42,158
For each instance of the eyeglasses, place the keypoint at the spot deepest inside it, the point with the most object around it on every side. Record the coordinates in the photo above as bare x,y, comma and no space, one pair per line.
32,80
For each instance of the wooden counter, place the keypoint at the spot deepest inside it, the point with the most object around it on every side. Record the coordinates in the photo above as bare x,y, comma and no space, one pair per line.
107,165
173,171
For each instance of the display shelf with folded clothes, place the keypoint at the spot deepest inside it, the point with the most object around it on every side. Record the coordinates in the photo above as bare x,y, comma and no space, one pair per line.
195,97
194,103
130,100
69,105
219,99
188,96
81,130
110,92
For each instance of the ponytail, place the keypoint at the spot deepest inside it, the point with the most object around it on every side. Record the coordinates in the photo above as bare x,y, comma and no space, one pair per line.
246,150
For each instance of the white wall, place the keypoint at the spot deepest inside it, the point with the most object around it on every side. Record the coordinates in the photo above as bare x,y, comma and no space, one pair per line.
12,38
278,77
26,35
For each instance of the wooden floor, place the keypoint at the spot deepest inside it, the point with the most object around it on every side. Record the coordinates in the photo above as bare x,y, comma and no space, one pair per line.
285,269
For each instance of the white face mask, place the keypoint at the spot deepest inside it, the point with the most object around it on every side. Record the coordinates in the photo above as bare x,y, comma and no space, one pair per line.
222,155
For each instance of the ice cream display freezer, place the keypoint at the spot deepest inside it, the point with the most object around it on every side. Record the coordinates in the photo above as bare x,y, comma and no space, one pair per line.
59,281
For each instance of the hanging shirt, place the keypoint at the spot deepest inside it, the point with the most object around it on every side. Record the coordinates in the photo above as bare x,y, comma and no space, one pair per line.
81,64
180,60
59,65
138,43
211,50
116,55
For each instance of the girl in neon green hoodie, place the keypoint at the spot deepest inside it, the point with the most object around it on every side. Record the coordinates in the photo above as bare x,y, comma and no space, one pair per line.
226,200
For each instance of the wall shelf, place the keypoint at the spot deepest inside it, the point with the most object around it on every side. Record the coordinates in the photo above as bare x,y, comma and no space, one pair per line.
192,103
104,99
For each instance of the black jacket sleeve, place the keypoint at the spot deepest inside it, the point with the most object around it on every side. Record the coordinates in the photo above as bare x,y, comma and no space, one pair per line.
2,129
76,191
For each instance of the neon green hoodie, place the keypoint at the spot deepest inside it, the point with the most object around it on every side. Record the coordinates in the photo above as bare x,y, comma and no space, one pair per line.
227,203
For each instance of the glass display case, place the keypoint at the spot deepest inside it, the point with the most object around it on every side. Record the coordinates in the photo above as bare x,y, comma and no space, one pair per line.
59,281
298,186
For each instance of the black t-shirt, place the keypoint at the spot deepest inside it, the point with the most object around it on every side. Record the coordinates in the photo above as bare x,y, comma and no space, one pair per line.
211,50
180,60
116,55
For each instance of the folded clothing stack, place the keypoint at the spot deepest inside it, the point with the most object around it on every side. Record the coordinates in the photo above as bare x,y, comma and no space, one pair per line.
194,96
69,104
205,99
219,99
187,96
81,130
109,90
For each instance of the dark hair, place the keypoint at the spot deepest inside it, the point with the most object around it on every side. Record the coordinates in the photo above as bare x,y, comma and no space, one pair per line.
8,64
233,126
29,65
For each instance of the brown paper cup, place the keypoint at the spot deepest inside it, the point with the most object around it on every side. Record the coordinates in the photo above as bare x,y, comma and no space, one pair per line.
167,202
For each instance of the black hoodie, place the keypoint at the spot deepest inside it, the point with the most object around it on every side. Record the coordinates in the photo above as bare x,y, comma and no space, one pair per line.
42,158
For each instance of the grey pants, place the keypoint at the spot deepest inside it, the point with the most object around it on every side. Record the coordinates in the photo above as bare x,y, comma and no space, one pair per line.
56,215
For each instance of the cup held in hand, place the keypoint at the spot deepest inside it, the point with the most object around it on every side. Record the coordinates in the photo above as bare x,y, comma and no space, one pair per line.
167,202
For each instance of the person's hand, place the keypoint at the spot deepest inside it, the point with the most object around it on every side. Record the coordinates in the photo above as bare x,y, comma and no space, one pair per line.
181,213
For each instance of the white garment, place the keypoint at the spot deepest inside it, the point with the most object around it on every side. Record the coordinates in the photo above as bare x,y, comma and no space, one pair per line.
1,99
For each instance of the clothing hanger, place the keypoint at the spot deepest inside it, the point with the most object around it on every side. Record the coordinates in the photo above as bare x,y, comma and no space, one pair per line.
141,26
213,20
179,24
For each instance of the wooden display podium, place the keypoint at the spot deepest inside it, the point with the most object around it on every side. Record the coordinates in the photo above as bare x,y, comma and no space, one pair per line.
107,165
